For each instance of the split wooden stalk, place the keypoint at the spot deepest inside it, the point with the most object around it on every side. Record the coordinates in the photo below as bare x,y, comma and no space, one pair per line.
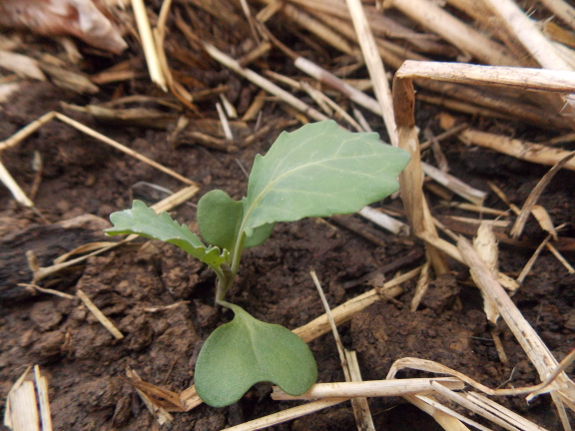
411,178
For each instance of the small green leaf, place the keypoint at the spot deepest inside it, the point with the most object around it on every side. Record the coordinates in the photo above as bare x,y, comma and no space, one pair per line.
320,170
219,217
247,351
144,221
219,220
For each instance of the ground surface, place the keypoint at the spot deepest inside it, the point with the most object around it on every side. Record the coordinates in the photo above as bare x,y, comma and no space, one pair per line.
85,365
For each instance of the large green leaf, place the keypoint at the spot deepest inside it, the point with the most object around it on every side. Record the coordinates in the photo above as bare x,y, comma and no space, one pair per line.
247,351
220,218
320,170
144,221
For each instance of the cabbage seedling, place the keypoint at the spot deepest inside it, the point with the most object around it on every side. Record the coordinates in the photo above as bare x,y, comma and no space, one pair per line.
317,171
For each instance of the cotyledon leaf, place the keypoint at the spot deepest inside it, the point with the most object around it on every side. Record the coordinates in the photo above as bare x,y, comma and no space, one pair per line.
144,221
246,351
320,170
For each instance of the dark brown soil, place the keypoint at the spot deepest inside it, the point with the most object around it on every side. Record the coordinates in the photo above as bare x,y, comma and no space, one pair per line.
85,364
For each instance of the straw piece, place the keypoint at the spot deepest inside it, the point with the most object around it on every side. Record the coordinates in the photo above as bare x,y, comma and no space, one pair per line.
566,160
373,388
562,9
23,409
446,418
386,222
485,244
421,287
533,346
523,150
514,77
121,147
26,131
158,412
99,315
333,81
350,366
529,34
14,188
411,178
264,83
455,31
375,66
43,400
454,184
148,44
544,219
21,64
527,268
320,325
286,415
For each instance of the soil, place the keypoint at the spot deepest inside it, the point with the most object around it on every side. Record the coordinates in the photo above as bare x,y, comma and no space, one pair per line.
86,366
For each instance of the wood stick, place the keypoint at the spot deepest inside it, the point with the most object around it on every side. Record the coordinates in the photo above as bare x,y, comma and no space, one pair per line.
467,39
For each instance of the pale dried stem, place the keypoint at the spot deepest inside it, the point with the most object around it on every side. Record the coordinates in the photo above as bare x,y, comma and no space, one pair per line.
14,188
287,415
320,325
375,67
107,323
373,388
123,148
385,221
536,350
565,161
527,268
515,77
563,10
529,34
421,287
467,39
148,44
350,366
523,150
457,186
316,27
264,83
43,399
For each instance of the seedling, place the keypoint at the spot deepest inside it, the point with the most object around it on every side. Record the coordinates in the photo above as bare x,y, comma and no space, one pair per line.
317,171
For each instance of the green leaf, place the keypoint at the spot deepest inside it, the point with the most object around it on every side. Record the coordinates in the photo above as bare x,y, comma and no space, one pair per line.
219,220
320,170
247,351
144,221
